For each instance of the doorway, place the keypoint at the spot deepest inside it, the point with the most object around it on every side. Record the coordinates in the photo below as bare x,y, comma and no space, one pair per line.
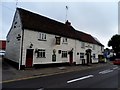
71,57
29,58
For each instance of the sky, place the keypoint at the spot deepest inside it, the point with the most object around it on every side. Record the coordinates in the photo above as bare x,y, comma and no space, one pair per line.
96,17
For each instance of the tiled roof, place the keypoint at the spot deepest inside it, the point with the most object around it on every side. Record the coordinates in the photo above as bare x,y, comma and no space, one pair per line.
36,22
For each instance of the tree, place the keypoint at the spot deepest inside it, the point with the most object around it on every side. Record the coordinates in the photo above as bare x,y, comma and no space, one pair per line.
115,43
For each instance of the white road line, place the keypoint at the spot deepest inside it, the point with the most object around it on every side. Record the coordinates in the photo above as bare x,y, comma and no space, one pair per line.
105,71
85,77
115,68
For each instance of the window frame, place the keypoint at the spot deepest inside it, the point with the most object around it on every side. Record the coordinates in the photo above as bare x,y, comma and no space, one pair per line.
94,56
64,54
41,53
42,36
82,56
65,40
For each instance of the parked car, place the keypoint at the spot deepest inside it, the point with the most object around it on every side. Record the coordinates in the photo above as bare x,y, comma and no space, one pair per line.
116,61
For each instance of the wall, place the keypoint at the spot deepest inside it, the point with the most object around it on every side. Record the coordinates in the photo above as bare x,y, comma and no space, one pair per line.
12,43
48,45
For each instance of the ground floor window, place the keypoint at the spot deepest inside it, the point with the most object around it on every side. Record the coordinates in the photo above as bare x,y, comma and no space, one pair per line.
41,53
94,56
81,55
64,54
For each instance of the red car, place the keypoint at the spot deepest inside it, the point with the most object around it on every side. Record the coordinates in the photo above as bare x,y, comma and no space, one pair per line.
116,61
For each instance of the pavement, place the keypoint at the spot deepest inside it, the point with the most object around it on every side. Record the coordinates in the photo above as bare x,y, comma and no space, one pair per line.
10,73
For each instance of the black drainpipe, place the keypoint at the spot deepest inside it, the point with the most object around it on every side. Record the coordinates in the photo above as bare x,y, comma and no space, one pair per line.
22,67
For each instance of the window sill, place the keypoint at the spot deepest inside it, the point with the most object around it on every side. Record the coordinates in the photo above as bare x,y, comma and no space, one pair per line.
42,40
64,43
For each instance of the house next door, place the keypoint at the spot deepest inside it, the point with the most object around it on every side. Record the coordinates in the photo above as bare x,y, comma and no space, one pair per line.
29,58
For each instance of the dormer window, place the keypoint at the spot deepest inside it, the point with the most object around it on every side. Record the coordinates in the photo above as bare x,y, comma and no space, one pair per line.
42,36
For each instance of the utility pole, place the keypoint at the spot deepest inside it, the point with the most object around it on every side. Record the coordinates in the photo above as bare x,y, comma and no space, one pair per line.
66,13
16,3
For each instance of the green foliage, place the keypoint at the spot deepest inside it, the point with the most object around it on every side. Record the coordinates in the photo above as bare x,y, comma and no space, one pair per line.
115,43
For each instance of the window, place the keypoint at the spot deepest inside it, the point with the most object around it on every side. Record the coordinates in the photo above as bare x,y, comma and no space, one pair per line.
58,39
15,22
81,55
93,47
94,56
64,40
64,54
42,36
82,45
41,53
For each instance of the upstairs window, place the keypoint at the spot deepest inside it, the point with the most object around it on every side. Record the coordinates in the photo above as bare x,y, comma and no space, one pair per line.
42,36
65,40
93,47
82,45
64,54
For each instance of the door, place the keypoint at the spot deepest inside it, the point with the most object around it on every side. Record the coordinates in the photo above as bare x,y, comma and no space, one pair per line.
29,58
71,57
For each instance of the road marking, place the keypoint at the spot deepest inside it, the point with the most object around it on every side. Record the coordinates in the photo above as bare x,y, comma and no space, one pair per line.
85,77
115,68
105,71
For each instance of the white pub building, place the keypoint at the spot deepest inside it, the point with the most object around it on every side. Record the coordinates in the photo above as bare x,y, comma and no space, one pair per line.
34,40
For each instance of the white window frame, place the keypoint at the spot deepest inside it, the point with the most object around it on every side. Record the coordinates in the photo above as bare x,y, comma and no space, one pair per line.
42,36
64,54
94,56
65,40
82,55
41,53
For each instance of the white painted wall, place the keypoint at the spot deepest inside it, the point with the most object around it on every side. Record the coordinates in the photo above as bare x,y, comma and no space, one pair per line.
49,45
31,36
13,46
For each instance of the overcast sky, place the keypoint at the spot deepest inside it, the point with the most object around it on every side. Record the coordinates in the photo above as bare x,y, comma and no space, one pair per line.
96,17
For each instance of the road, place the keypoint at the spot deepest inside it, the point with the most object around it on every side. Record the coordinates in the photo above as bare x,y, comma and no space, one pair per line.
100,77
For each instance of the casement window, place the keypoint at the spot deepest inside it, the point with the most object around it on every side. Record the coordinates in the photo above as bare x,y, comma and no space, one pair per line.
81,55
82,45
42,36
64,54
65,40
41,53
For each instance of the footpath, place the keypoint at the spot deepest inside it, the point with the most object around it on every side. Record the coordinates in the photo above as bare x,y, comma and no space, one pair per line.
10,73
